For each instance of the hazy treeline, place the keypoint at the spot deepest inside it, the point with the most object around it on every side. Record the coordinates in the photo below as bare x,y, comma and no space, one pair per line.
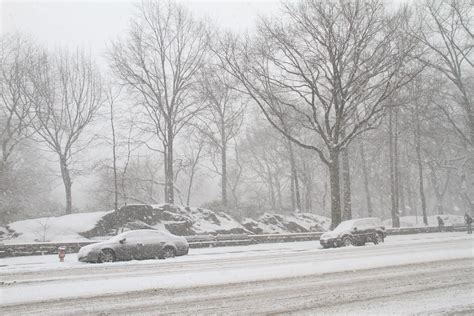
341,108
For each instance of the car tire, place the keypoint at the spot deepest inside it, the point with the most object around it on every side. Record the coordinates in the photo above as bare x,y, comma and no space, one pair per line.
106,255
168,252
378,238
347,241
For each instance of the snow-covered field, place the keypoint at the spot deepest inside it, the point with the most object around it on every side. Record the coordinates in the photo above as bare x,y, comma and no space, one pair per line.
41,283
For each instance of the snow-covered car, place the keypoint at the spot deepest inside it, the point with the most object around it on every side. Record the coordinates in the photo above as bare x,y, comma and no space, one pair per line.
354,232
135,245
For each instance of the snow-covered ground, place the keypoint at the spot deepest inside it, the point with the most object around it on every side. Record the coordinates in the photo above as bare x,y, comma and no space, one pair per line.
61,228
28,280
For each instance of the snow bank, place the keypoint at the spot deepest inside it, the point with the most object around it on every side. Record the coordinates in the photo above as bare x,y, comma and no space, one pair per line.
179,220
176,219
280,224
413,221
62,228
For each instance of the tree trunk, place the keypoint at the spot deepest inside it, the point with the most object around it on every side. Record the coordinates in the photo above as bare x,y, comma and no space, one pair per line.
335,188
294,176
346,182
65,174
292,192
271,190
366,180
420,168
224,173
393,171
190,185
400,197
278,190
169,173
308,183
114,156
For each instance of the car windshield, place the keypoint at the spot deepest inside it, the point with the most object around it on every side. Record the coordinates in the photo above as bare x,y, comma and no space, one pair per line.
347,225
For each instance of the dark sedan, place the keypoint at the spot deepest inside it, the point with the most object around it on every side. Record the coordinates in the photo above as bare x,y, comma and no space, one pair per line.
135,245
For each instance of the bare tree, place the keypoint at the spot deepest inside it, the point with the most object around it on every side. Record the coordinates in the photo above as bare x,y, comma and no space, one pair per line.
111,97
15,108
365,173
446,33
330,70
66,96
193,155
158,62
222,118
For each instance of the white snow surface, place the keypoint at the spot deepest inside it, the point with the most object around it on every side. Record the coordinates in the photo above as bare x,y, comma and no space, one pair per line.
225,265
61,228
277,223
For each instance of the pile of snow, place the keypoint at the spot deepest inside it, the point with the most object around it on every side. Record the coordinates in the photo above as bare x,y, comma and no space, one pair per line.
413,221
61,228
178,220
206,222
280,224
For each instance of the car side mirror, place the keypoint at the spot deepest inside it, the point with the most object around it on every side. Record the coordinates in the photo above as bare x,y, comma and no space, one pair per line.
122,241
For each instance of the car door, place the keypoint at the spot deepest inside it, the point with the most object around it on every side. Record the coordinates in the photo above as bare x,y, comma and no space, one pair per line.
132,244
152,244
371,228
358,230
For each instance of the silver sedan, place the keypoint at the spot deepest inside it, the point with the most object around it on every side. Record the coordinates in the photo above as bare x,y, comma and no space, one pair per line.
135,245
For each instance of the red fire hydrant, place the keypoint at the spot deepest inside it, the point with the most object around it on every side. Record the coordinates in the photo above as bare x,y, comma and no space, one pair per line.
61,253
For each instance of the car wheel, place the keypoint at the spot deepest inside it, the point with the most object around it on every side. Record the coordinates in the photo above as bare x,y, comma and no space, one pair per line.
347,241
168,252
378,238
106,255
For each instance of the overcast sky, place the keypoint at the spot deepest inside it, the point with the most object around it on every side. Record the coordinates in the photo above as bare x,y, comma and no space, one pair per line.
91,25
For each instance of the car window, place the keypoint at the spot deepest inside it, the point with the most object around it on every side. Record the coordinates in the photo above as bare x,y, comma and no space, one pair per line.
134,235
152,235
347,225
366,224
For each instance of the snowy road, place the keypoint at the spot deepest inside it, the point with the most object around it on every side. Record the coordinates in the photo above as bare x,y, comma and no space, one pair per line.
418,273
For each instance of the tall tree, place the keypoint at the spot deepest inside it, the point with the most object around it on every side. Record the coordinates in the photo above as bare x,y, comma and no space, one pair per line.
66,97
222,118
111,99
446,32
393,160
447,36
329,68
159,62
15,108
